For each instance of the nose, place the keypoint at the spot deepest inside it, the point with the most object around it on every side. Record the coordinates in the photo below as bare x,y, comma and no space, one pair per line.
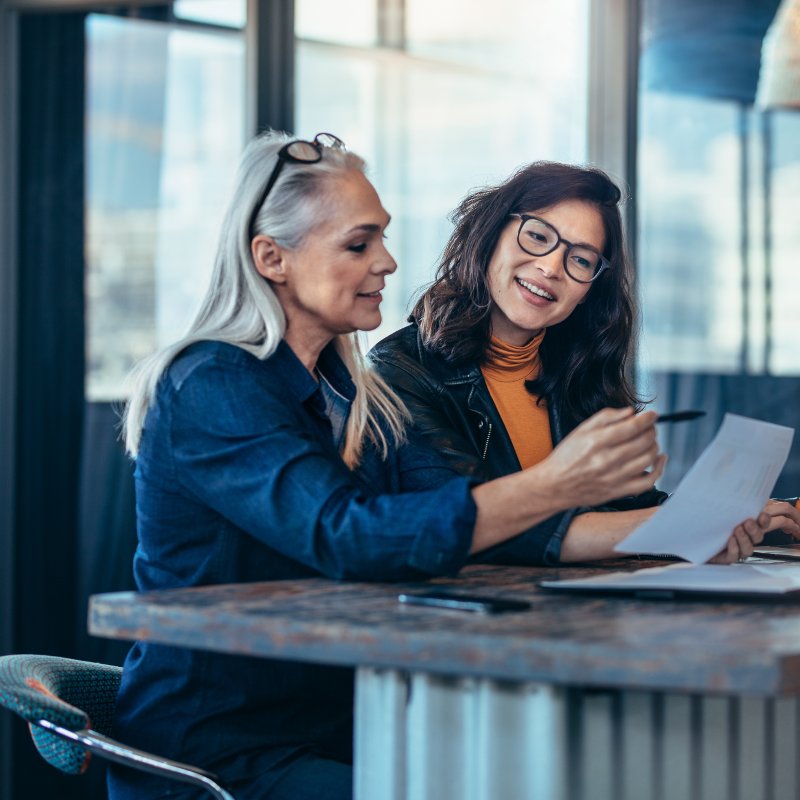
552,264
384,264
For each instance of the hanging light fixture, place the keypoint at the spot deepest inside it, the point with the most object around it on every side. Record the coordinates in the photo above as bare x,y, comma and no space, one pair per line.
779,77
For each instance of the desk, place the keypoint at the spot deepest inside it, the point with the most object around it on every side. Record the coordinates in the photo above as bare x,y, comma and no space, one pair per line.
577,699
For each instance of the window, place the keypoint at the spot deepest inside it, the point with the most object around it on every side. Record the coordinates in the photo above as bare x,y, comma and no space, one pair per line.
719,184
717,197
165,128
440,99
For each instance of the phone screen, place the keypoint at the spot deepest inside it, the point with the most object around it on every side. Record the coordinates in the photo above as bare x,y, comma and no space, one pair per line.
464,602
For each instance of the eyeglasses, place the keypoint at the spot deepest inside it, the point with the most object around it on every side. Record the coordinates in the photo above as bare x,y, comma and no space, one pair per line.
298,151
582,262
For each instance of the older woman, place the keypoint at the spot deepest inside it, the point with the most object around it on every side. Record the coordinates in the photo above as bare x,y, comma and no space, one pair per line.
265,449
525,333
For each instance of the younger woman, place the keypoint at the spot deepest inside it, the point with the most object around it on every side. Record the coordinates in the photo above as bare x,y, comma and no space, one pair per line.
526,332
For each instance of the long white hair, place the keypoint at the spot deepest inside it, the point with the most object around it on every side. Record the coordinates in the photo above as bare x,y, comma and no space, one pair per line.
240,307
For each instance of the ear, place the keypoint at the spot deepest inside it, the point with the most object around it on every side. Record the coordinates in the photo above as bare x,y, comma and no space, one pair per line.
268,258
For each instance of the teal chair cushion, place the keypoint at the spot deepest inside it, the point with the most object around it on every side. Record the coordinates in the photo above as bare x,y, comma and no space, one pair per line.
71,694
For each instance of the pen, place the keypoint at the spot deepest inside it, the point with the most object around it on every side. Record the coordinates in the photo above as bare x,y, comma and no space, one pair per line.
680,416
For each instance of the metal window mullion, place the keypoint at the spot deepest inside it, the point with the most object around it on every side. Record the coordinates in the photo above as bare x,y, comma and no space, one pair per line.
270,80
766,177
391,24
612,96
612,106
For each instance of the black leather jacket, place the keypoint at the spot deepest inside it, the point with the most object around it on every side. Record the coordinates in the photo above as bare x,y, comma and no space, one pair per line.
452,408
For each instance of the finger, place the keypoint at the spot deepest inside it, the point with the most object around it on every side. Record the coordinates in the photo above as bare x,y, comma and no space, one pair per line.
753,531
630,429
744,540
634,457
644,481
617,425
658,469
779,508
783,524
786,510
786,525
728,554
606,417
635,464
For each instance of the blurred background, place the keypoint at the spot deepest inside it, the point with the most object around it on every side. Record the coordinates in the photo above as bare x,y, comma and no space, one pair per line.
120,129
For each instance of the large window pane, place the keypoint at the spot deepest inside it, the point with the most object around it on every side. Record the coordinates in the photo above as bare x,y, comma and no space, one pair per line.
717,198
165,112
468,98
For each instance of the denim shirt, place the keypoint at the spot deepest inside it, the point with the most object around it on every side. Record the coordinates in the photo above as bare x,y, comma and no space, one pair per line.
239,478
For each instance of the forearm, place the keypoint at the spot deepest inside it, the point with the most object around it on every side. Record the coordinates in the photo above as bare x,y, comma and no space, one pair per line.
512,504
592,536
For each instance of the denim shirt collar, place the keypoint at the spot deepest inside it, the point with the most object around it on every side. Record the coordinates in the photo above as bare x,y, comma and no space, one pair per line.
303,384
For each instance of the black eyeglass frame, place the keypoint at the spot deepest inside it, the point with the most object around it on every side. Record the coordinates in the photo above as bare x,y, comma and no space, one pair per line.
285,156
602,267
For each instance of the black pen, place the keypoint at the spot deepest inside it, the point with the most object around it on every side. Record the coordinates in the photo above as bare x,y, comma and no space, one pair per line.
680,416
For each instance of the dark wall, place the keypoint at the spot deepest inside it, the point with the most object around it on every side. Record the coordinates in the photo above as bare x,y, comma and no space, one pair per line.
766,397
49,345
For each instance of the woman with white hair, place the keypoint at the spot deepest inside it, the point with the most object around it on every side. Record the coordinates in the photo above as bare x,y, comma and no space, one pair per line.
266,449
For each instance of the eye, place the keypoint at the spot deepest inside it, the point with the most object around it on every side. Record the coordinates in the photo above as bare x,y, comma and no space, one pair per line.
357,248
537,237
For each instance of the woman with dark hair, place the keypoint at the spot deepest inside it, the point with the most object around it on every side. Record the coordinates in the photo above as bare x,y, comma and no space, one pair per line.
526,332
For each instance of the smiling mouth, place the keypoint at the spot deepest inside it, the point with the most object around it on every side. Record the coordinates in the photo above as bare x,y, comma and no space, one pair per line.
535,289
369,294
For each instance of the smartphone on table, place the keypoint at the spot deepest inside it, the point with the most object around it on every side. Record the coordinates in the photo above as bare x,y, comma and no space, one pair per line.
458,601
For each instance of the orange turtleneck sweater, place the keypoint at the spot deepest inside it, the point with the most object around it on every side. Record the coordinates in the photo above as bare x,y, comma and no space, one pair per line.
505,371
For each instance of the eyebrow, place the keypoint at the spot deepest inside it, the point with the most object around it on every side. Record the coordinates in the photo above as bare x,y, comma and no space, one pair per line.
368,227
578,244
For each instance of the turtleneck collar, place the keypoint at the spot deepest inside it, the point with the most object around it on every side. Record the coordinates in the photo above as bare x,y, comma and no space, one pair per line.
510,362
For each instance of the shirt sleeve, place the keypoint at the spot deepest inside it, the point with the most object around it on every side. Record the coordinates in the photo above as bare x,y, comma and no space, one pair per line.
246,451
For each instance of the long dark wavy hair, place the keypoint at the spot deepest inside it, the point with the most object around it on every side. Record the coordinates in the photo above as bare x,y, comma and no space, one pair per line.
585,356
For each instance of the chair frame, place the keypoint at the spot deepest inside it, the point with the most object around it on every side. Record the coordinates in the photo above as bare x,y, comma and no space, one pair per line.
112,750
32,688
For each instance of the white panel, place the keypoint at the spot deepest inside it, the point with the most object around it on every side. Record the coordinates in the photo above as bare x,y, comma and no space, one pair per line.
435,738
676,747
784,750
715,756
380,735
597,751
751,771
479,740
518,748
438,713
638,763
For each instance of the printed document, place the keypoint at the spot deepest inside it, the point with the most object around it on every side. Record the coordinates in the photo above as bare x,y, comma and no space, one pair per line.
730,481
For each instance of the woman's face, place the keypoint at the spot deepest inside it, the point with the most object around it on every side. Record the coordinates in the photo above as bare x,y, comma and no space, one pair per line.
333,280
530,293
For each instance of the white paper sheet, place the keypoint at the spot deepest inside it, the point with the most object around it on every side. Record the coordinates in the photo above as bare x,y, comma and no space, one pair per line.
730,481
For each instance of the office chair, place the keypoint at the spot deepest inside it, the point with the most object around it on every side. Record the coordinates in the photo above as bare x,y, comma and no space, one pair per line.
69,706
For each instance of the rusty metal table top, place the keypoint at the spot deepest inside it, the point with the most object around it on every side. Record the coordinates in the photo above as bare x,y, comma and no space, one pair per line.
706,647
